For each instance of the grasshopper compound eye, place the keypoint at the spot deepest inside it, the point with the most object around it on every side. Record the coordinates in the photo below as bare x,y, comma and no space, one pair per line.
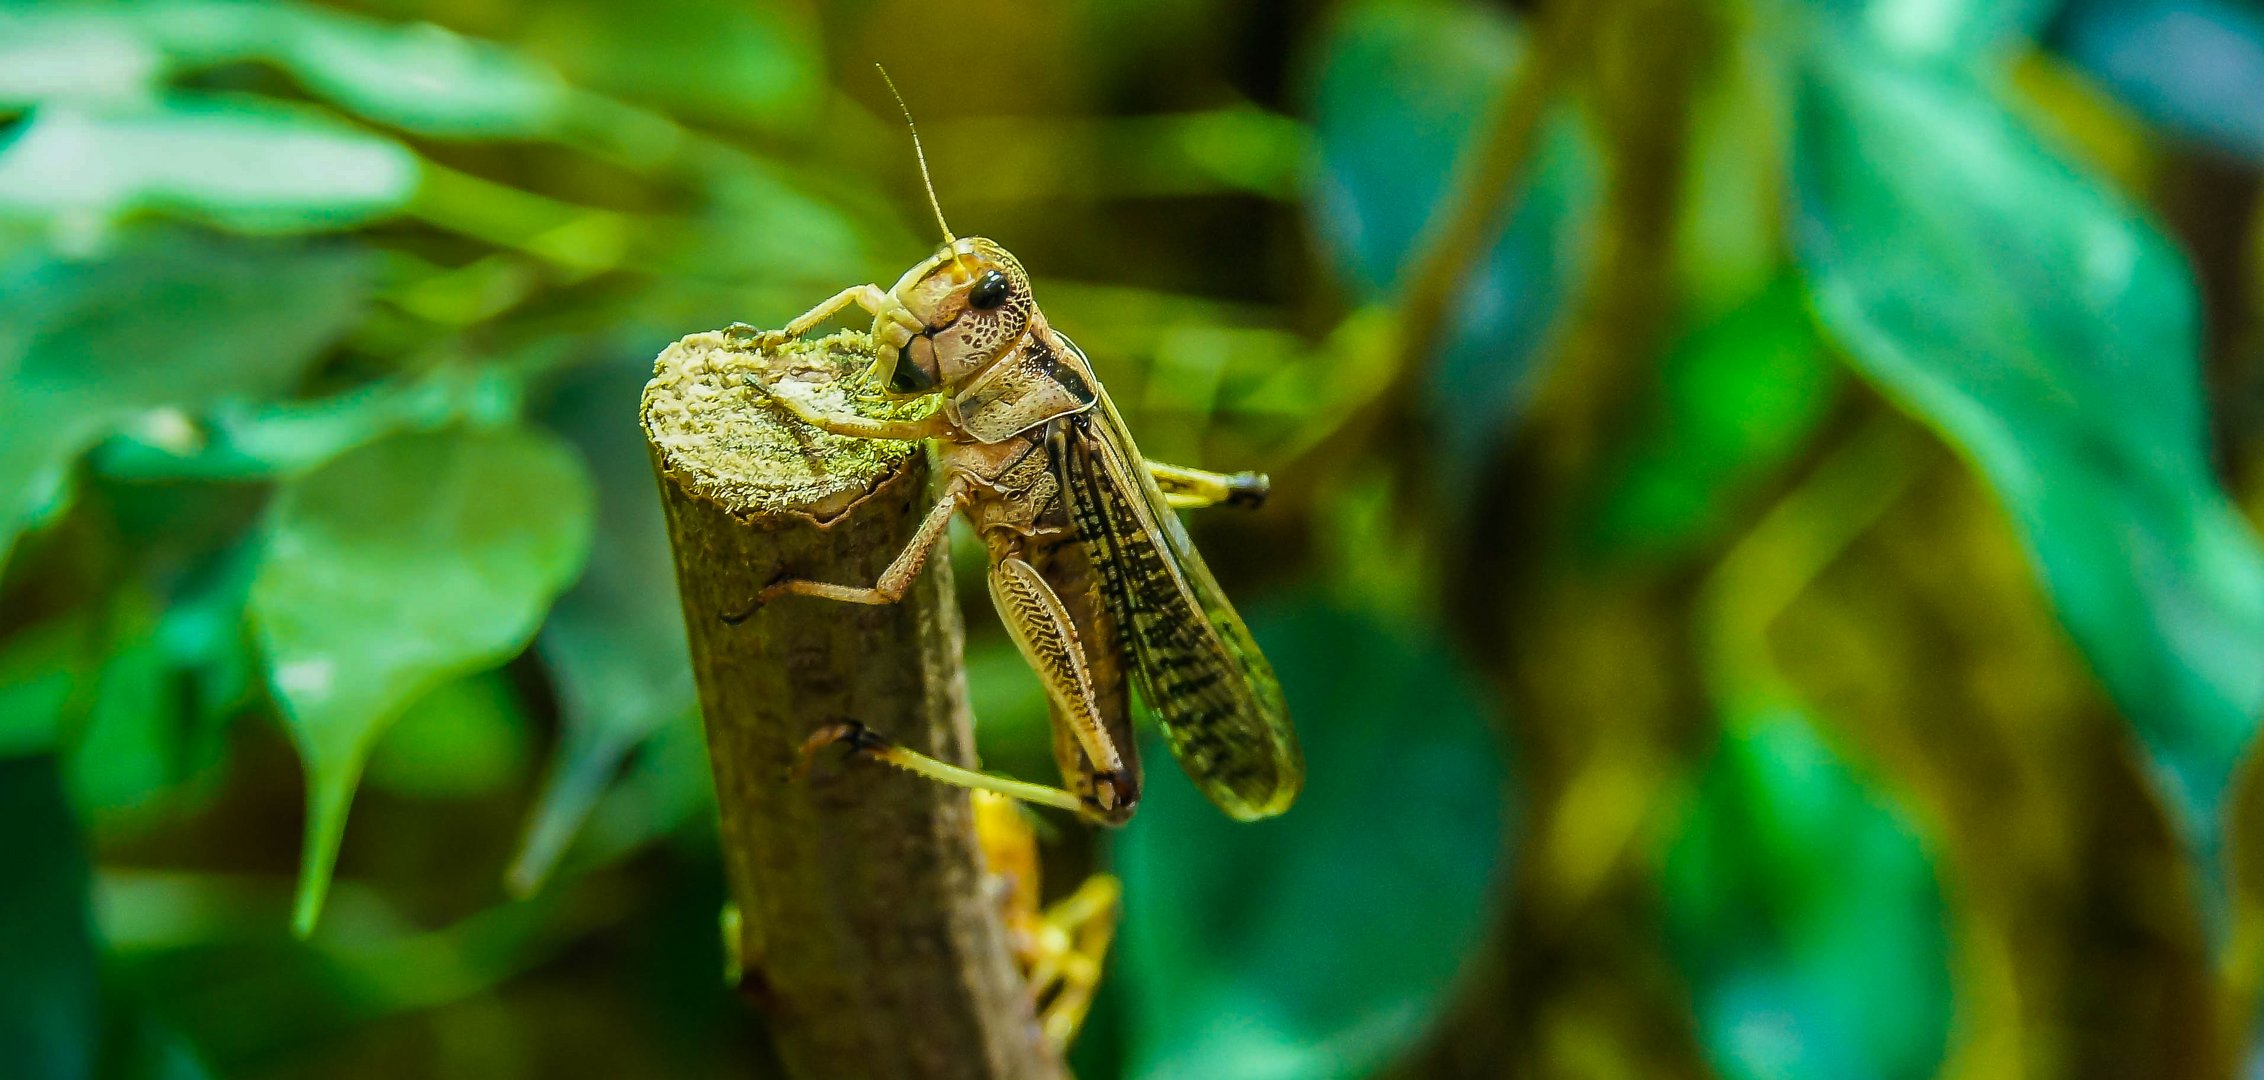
989,292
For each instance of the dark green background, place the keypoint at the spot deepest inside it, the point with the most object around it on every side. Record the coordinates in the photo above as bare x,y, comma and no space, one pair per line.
1802,620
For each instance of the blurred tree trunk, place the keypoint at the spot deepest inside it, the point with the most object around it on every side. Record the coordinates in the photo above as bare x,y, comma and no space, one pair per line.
870,934
1591,656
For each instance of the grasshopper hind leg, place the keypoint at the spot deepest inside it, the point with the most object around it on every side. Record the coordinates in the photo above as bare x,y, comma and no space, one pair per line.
863,741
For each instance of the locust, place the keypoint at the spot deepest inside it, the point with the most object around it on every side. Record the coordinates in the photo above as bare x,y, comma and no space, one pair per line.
1089,566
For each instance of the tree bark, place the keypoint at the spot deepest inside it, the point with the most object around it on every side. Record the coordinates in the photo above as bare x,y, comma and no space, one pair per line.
869,933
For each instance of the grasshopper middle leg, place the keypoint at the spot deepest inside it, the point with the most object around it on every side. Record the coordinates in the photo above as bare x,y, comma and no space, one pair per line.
1041,628
894,582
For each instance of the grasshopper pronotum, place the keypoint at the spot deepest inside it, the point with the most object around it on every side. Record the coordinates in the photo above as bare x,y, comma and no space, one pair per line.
1089,565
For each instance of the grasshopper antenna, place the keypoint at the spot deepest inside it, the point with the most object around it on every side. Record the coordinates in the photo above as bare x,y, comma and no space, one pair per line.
919,152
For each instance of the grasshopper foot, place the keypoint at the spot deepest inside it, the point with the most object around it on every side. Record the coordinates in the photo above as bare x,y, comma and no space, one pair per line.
1248,490
740,335
856,736
763,597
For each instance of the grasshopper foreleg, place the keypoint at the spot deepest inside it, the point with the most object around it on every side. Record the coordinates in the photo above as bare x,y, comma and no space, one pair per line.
851,424
869,297
894,582
1189,489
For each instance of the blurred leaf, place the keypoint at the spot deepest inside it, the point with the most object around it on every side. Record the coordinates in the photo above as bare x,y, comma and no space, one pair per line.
42,669
615,641
2195,67
1951,30
50,999
466,737
205,950
397,567
1400,92
1388,857
254,440
167,322
240,163
1013,725
666,786
203,637
2047,330
721,61
418,77
133,700
50,54
1804,912
1735,399
129,749
1729,241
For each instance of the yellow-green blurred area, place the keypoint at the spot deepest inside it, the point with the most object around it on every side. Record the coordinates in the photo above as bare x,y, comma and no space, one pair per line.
1763,551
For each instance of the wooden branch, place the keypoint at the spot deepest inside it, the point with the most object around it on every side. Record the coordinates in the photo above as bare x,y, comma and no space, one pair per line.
869,932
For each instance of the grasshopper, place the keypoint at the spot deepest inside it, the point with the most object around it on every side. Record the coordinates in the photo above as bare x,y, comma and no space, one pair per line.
1089,565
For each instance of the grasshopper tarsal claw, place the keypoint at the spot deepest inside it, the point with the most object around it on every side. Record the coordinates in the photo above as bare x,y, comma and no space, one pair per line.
865,742
741,335
1248,490
859,738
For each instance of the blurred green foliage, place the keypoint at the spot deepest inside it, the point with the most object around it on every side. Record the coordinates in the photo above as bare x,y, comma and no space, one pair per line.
1804,620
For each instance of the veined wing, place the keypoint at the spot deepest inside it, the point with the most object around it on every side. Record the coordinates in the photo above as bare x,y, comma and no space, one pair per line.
1195,663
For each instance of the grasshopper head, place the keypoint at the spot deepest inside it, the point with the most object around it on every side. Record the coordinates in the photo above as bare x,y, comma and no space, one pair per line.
950,316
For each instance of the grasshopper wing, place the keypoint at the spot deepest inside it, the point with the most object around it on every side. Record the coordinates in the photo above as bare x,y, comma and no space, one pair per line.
1194,661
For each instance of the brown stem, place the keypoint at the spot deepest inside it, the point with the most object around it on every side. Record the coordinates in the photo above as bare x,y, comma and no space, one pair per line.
869,933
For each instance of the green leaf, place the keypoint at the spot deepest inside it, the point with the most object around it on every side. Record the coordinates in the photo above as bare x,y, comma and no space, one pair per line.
2039,323
130,749
397,567
238,163
166,323
1736,398
42,669
135,701
467,737
50,996
1803,910
1387,858
615,642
